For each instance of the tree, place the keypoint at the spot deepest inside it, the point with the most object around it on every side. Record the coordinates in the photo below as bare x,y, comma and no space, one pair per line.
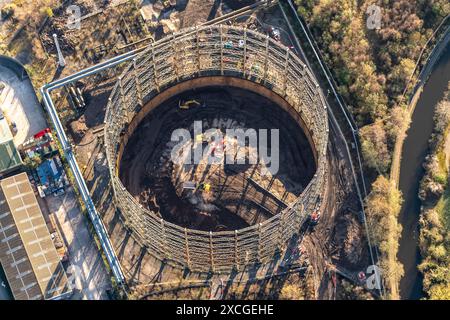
382,208
400,75
397,122
440,292
304,8
291,292
374,147
7,11
383,202
442,115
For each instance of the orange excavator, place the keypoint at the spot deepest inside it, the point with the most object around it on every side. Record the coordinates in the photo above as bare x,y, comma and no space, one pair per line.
315,216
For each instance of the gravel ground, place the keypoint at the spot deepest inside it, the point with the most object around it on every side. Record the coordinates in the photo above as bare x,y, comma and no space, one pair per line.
90,276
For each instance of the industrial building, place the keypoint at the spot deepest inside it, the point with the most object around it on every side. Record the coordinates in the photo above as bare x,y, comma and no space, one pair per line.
27,253
9,156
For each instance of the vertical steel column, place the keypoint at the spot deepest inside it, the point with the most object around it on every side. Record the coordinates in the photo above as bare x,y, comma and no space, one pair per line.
266,59
188,257
106,131
211,254
236,259
198,50
175,56
164,238
138,83
155,74
280,231
221,49
286,77
245,52
259,242
299,218
123,101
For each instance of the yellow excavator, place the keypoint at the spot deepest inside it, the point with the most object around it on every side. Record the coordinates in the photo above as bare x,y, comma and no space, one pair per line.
168,3
186,105
206,187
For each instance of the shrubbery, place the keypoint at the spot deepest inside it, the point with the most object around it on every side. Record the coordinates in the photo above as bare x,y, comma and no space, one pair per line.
382,208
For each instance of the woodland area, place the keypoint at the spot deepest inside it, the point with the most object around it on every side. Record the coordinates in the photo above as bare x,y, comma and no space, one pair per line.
373,69
435,216
373,66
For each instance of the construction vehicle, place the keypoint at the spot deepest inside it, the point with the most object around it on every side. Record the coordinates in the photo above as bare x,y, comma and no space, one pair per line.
315,217
192,185
186,105
205,187
169,3
199,138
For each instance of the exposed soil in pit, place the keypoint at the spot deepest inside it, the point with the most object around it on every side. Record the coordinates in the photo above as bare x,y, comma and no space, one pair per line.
239,195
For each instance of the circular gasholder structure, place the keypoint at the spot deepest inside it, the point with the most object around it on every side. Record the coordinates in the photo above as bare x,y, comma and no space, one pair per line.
220,56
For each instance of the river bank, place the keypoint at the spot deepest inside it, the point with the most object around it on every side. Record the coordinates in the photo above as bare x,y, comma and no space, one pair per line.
434,240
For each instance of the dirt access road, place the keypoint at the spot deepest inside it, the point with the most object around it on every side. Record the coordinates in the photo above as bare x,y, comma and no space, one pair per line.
90,277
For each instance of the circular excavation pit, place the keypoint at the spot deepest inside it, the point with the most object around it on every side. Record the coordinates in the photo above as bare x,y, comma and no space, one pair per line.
216,141
239,193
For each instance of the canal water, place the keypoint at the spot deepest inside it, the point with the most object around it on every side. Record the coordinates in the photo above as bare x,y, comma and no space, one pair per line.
5,293
415,149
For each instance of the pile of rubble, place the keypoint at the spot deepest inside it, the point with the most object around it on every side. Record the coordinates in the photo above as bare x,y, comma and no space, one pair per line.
173,15
163,13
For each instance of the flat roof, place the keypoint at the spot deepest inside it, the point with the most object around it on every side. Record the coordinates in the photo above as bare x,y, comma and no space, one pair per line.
14,259
9,156
27,252
5,132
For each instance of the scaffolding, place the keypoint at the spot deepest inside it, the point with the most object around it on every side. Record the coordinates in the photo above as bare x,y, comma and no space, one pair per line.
228,51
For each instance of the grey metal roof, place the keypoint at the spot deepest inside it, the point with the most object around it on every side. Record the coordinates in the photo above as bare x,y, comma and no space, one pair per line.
27,253
9,156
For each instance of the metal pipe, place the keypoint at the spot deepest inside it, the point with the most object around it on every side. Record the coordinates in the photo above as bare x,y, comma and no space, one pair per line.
96,221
